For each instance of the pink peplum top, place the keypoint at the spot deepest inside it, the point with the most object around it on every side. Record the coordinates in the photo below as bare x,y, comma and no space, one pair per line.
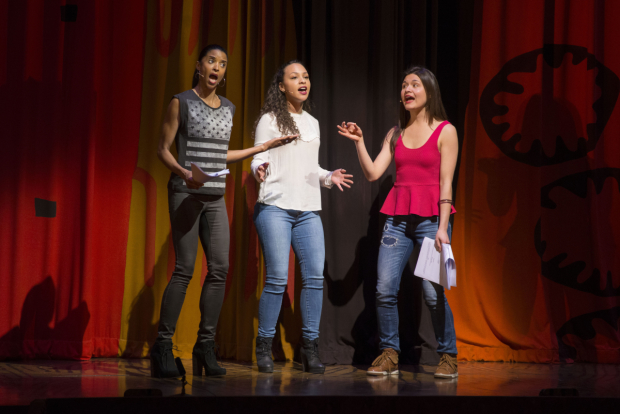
416,190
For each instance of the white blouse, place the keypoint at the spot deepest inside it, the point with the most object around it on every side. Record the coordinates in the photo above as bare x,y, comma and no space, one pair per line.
294,177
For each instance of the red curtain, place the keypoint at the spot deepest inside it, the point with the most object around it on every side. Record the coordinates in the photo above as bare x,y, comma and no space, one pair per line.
71,96
538,228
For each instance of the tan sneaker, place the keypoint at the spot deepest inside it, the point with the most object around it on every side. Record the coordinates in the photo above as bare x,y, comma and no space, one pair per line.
385,364
447,368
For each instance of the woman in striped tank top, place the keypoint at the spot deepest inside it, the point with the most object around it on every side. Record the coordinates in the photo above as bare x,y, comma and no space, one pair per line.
199,122
425,149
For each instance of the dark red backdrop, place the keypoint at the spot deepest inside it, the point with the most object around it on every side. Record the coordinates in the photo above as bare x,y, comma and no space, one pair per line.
70,117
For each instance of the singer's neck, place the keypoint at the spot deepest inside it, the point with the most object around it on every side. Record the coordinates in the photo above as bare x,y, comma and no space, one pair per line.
205,93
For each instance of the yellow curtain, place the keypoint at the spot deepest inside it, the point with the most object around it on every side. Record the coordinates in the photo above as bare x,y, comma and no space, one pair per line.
259,36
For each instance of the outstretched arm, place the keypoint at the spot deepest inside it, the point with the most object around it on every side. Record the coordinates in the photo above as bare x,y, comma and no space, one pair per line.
448,145
238,155
373,170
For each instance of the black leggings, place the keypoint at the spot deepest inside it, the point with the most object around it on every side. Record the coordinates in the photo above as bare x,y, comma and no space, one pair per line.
194,216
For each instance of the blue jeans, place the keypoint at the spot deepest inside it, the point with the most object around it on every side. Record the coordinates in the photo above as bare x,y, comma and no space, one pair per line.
400,235
277,230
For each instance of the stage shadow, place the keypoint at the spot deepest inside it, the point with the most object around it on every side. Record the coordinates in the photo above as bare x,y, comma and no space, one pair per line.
415,329
141,330
140,327
35,338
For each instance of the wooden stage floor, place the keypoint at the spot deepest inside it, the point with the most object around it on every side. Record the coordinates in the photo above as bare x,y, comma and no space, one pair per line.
23,381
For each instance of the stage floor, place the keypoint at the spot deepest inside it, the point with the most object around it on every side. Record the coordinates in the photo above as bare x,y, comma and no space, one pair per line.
23,381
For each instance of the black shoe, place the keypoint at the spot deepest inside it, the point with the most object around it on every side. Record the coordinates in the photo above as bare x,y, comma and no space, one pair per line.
310,361
203,356
263,354
163,363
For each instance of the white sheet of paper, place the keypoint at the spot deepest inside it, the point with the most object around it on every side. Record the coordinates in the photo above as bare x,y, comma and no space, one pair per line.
447,271
200,176
437,267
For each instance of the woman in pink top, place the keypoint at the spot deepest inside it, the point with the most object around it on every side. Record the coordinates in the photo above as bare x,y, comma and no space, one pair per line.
425,148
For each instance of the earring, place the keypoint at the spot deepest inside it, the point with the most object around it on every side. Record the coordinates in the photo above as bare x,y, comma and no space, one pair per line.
223,82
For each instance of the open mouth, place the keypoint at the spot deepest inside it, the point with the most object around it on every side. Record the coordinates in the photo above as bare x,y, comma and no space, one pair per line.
303,90
213,77
409,99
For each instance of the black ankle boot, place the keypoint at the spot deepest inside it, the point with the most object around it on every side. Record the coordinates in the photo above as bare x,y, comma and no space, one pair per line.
203,356
263,354
310,361
163,363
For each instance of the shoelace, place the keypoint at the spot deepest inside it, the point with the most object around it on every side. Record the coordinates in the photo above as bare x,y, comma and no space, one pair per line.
380,359
446,360
261,348
314,351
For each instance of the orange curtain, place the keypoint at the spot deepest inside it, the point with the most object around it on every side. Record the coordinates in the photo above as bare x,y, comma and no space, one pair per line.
536,236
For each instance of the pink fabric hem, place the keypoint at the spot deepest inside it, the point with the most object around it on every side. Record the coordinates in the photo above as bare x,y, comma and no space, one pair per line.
404,200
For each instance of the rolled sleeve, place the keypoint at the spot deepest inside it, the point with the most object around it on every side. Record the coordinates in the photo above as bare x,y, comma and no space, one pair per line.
325,178
264,133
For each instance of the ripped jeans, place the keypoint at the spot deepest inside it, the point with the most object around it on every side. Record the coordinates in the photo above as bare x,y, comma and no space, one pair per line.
400,235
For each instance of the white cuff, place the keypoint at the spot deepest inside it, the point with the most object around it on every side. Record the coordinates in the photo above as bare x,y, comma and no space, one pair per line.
328,180
254,167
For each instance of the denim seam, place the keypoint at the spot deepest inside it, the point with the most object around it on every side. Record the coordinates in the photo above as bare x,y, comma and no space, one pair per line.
303,272
399,267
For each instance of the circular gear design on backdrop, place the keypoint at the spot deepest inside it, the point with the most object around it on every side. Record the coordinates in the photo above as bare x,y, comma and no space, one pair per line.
524,145
570,253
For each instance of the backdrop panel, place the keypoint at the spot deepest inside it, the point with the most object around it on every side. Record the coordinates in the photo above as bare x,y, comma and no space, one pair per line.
536,238
70,93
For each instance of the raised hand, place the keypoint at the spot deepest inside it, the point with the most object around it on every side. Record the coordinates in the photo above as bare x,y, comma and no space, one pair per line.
340,178
278,142
189,181
261,171
351,131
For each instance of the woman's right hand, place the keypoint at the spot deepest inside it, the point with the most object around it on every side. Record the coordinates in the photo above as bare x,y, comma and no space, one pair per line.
261,172
351,131
189,181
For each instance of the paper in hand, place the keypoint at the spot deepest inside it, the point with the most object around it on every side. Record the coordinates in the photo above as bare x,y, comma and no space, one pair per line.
447,270
200,176
436,267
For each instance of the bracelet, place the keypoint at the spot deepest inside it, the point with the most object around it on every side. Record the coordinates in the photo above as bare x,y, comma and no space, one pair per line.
446,201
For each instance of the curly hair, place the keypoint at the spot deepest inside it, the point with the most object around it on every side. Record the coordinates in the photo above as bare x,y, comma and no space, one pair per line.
276,104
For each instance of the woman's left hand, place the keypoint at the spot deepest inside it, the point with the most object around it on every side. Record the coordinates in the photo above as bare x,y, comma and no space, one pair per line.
278,142
441,238
340,178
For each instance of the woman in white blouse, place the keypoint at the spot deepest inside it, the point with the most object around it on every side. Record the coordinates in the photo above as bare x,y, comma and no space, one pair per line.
287,210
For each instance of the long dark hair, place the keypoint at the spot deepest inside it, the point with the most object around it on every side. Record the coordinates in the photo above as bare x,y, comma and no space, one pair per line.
434,106
202,54
275,103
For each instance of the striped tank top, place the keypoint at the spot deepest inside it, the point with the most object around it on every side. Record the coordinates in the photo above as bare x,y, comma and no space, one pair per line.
202,138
